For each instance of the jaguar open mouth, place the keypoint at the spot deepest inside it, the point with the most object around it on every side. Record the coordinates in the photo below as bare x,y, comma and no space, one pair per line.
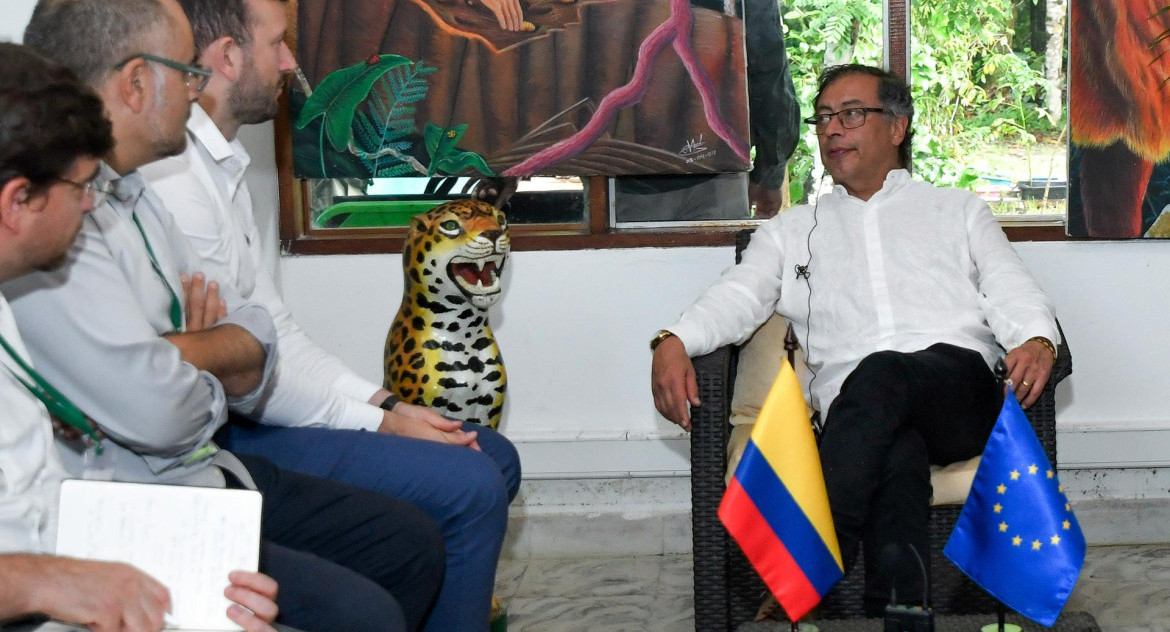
477,276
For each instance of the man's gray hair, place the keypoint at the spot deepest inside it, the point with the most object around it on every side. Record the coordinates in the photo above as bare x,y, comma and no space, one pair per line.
93,36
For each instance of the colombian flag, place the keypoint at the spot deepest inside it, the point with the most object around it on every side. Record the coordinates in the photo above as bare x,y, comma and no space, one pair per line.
776,506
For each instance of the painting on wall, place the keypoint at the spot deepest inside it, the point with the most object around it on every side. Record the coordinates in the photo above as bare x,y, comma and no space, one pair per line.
1119,119
399,88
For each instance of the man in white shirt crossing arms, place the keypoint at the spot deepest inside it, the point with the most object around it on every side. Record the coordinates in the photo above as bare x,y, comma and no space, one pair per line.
114,330
461,474
52,135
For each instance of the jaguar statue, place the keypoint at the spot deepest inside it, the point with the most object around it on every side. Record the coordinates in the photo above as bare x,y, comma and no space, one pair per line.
440,351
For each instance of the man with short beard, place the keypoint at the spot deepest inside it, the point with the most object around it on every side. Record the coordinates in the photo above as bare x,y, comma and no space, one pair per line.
52,135
156,357
312,417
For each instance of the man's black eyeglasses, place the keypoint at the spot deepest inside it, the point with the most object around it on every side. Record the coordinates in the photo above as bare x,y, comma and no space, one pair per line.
196,76
850,118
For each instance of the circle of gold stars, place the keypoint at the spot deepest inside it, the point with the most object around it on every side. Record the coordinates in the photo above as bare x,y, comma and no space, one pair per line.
1004,527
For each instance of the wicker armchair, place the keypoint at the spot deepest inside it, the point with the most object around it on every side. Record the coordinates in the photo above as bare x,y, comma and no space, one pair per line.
728,591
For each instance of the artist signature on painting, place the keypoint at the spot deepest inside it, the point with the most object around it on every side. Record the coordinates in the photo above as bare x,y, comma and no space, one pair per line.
694,146
696,149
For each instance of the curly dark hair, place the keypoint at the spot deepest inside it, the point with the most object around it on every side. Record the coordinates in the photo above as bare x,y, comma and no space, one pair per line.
892,92
48,118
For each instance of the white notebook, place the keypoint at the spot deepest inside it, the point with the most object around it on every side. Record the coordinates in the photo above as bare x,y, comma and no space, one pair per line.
188,538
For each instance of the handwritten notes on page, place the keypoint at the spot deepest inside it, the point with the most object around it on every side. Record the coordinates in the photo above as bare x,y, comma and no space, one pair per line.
188,538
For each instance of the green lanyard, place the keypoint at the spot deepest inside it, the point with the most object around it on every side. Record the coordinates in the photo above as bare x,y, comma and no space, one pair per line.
176,307
58,405
176,320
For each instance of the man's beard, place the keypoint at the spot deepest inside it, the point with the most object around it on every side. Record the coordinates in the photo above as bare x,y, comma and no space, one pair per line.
166,147
57,262
251,100
63,258
162,147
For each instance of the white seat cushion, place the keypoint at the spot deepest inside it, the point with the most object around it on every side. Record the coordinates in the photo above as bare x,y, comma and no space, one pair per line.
759,362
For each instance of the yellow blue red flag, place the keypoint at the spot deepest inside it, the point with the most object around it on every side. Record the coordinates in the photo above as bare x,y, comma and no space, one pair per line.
776,506
1017,536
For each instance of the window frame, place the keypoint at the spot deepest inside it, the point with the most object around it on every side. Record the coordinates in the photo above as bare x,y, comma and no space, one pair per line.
299,238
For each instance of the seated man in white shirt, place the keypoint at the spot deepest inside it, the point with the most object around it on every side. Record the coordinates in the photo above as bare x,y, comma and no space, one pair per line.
901,293
52,135
157,369
311,416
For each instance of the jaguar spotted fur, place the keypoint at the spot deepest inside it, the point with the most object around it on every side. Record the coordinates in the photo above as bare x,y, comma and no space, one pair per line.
440,351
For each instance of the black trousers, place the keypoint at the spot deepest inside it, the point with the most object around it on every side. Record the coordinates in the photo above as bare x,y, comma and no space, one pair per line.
896,414
345,558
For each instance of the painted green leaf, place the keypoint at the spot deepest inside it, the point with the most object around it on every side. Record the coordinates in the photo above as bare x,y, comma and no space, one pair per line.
458,162
340,94
441,140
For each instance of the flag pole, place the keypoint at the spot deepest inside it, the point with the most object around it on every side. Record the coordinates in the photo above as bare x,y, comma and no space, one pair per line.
1001,624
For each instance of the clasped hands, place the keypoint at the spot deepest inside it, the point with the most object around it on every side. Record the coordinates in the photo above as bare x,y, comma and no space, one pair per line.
420,422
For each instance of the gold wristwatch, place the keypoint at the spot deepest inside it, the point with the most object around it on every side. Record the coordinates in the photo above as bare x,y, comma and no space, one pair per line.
657,339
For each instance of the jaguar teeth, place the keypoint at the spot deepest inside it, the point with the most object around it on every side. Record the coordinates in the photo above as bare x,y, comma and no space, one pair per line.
477,276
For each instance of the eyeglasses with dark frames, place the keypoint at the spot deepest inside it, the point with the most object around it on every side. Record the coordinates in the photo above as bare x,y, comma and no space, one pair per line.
92,187
851,118
195,76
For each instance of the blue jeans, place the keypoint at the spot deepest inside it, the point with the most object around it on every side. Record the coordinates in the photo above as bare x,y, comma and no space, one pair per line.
465,491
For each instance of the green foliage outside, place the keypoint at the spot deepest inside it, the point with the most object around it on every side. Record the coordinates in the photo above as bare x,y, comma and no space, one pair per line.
973,86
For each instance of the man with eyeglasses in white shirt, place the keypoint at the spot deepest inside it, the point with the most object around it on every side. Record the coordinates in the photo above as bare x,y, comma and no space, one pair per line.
318,416
52,135
901,294
155,358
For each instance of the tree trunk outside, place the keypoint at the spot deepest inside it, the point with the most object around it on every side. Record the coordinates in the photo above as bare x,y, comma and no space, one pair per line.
1037,27
842,52
1054,57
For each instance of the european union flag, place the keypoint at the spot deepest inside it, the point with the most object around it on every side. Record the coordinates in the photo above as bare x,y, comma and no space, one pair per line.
1017,536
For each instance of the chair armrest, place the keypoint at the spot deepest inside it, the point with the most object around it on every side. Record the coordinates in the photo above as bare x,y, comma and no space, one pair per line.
715,373
710,431
1063,366
1042,414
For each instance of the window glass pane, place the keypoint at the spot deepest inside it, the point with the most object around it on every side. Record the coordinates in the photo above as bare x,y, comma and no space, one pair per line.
820,34
662,201
389,202
987,117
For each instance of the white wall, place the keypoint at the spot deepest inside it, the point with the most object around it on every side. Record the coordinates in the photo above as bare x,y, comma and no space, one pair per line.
573,327
16,15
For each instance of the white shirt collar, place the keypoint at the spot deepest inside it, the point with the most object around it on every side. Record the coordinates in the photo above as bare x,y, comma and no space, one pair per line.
204,131
894,179
229,155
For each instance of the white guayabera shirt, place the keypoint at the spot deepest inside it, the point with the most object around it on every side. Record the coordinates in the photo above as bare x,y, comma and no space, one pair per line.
913,266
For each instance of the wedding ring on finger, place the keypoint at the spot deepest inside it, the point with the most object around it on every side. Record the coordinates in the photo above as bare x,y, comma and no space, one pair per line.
1026,384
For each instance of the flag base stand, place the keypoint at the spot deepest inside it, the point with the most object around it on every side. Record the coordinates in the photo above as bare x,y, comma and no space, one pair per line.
1001,624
